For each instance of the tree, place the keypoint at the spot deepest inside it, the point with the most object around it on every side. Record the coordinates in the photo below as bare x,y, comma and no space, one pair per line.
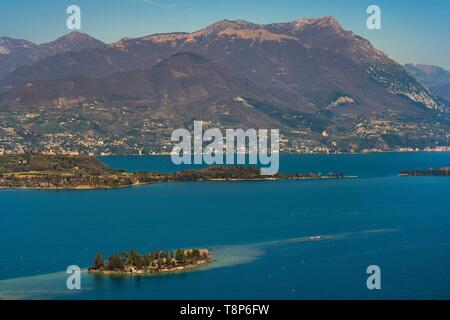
99,262
146,260
179,256
138,262
116,262
132,257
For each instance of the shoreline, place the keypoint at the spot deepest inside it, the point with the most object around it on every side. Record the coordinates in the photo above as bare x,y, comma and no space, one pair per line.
89,188
288,153
43,172
281,153
87,173
151,264
175,270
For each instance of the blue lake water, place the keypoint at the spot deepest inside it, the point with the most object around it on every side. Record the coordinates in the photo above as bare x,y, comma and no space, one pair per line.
260,232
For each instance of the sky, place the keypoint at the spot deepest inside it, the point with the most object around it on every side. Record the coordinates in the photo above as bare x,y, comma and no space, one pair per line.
416,31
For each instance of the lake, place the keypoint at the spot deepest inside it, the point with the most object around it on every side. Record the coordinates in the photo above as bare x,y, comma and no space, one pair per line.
262,233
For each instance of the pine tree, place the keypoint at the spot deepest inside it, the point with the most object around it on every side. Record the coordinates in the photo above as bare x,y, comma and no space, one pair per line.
99,262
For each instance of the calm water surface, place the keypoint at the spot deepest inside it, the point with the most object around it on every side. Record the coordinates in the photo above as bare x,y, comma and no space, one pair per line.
260,231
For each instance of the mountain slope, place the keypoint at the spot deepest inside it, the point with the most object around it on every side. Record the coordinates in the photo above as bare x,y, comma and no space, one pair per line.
182,86
287,58
442,90
71,42
16,53
320,84
434,78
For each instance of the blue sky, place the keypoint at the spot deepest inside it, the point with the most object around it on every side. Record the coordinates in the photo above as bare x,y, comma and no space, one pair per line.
412,31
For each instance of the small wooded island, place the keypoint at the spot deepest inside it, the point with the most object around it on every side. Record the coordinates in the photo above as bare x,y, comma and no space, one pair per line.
38,171
428,172
151,263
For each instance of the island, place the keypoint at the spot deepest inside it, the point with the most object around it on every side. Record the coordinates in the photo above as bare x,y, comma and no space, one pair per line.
82,172
155,262
427,172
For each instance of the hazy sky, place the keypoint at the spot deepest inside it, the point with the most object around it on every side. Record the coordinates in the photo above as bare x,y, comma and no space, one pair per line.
412,31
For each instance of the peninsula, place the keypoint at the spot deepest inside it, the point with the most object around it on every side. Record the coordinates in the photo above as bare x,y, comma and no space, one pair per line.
151,263
62,172
428,172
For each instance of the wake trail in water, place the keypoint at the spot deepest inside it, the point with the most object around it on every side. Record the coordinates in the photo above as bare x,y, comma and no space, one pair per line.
53,285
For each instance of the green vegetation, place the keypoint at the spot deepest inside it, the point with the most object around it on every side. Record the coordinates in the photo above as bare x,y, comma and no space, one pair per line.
32,170
83,172
36,162
240,173
153,262
428,172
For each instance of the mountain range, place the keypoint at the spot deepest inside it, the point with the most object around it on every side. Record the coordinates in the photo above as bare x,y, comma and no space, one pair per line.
16,53
308,77
435,78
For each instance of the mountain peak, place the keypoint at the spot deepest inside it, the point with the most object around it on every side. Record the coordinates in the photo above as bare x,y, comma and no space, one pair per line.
284,74
224,24
8,40
435,78
240,29
217,27
76,36
73,41
323,22
426,68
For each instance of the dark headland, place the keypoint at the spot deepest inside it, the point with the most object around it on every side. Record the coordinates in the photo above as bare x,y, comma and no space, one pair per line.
427,172
63,172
